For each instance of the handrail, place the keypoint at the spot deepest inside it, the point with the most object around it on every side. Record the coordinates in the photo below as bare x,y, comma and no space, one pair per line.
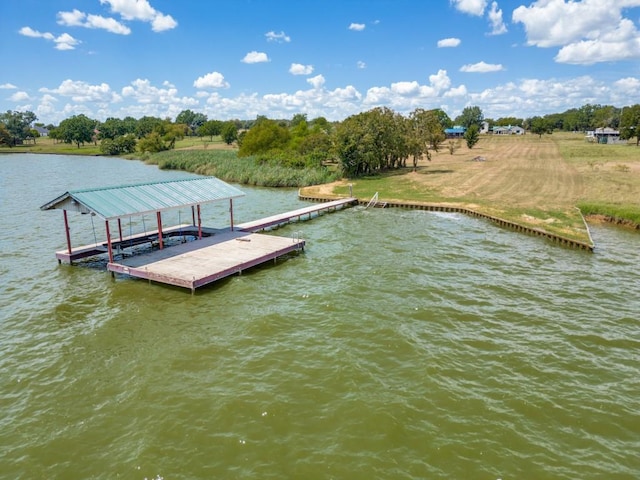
373,201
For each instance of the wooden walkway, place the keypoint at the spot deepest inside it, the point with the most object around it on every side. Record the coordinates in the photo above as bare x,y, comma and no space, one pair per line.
287,217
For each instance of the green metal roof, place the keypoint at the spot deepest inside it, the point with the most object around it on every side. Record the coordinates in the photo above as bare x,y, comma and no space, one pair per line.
126,200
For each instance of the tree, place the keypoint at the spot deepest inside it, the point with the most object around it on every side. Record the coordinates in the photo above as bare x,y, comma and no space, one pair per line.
265,135
5,136
470,116
192,120
540,126
630,123
472,135
146,125
229,132
78,129
210,128
121,145
18,124
112,128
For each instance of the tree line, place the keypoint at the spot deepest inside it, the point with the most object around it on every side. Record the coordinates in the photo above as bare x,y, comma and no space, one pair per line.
368,142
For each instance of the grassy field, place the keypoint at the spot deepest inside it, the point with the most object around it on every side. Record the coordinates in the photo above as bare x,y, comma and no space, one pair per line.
537,182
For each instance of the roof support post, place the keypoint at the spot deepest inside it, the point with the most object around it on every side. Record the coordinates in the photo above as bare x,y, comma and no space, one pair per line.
66,231
199,224
159,217
231,212
193,215
109,247
120,229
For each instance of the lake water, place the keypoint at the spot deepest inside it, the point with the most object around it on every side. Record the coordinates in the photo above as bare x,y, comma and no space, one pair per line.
399,345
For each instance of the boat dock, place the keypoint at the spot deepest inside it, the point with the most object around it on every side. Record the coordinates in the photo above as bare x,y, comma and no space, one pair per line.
187,255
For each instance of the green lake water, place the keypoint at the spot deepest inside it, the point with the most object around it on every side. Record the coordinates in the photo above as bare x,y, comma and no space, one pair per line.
399,345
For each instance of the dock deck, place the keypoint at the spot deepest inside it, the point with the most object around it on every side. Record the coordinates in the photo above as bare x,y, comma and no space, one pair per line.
198,263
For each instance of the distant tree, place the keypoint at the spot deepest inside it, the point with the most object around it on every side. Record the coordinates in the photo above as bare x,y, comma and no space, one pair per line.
146,125
229,132
192,120
152,143
111,128
210,129
443,118
263,136
78,129
121,145
5,136
18,124
606,116
508,122
630,123
470,116
540,126
472,135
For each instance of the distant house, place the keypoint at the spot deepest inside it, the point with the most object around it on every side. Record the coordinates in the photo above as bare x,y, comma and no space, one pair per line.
44,132
455,132
604,135
515,130
484,127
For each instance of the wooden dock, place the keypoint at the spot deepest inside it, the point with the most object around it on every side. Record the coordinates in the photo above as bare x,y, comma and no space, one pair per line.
198,263
219,253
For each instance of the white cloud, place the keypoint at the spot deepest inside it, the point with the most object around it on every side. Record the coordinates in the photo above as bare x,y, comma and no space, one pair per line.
449,42
277,37
81,92
144,93
62,42
255,57
361,65
495,19
299,69
20,97
628,85
210,80
357,27
588,32
316,82
7,86
141,10
481,67
472,7
76,18
30,32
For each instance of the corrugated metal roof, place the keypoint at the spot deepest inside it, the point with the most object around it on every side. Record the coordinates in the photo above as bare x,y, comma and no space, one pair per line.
126,200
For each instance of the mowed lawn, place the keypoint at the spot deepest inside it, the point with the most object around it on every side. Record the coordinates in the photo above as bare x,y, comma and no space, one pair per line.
533,181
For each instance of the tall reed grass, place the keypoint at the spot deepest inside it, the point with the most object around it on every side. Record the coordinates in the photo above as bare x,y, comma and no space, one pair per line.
226,166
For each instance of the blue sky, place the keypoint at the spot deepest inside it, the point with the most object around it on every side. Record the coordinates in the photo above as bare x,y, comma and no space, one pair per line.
333,58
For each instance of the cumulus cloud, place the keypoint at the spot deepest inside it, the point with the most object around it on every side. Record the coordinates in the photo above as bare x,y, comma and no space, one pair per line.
62,42
20,97
142,11
481,67
277,37
316,82
76,18
210,80
299,69
80,92
361,65
255,57
495,19
357,27
587,32
7,86
449,42
143,92
472,7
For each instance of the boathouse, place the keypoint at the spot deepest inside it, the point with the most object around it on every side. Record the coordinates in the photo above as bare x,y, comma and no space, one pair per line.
216,253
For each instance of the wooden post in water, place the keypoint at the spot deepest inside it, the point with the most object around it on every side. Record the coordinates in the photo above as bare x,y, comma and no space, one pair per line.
109,248
66,231
231,212
199,224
